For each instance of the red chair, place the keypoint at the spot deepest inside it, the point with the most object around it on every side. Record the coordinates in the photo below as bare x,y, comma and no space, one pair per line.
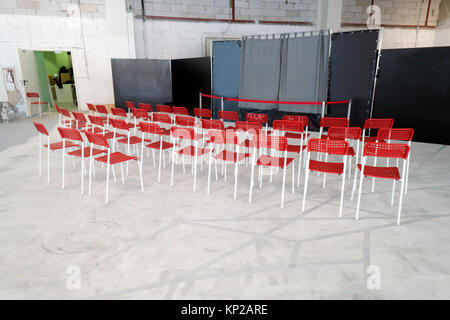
163,108
80,121
228,116
192,150
180,111
129,140
327,122
212,124
50,147
398,134
91,108
184,121
258,117
165,122
110,160
98,126
294,135
102,110
351,135
249,128
147,107
66,114
375,124
120,113
263,142
383,150
281,128
161,145
129,105
202,113
334,147
224,139
35,95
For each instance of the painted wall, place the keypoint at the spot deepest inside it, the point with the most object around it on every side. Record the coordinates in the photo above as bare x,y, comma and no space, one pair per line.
42,74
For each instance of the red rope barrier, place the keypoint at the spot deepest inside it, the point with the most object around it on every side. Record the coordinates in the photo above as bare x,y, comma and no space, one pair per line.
276,102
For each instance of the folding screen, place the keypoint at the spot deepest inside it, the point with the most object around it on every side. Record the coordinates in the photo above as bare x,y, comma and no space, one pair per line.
141,80
413,88
189,77
225,74
352,72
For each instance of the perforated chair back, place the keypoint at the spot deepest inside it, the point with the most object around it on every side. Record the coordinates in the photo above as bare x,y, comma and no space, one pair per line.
79,116
286,125
119,124
303,119
162,118
129,104
378,123
119,112
327,122
32,94
97,139
151,128
212,124
65,112
228,115
101,109
399,134
222,137
183,133
248,126
336,147
269,142
184,121
95,120
386,150
91,107
145,106
140,114
203,113
70,134
344,133
41,128
180,110
257,117
163,108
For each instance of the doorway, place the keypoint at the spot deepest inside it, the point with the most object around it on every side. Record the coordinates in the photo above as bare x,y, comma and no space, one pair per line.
50,73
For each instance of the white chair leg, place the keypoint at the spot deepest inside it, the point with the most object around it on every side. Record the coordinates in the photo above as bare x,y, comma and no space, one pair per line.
195,167
159,163
82,169
393,192
355,177
299,166
305,189
114,173
209,174
173,166
402,189
107,183
282,188
251,182
293,176
359,193
63,163
325,175
373,179
48,162
140,175
236,166
90,174
342,189
40,155
407,172
121,171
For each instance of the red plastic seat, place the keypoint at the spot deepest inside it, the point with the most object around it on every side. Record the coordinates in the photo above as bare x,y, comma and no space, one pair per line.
273,144
180,111
202,113
328,122
163,108
383,150
295,135
116,157
328,147
129,105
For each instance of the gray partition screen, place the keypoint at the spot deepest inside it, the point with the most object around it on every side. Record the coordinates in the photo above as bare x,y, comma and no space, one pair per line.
141,80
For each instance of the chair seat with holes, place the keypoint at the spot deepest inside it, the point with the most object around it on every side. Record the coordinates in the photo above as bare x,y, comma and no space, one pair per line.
87,152
59,145
230,156
110,135
372,139
190,151
381,172
157,145
270,161
133,140
295,149
116,157
293,135
326,167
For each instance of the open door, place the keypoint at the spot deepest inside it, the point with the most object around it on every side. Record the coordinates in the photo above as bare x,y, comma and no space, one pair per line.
30,76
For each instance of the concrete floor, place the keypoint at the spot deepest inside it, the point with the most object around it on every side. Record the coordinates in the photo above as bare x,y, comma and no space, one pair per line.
171,243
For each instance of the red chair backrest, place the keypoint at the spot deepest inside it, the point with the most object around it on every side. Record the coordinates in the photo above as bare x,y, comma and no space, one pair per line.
32,94
70,134
229,115
79,116
212,124
58,110
140,114
400,134
258,117
223,136
180,110
162,118
248,125
184,121
41,128
386,150
337,147
101,109
373,123
152,128
97,139
96,120
344,133
145,106
286,125
163,108
119,112
119,124
129,104
91,107
303,119
65,112
269,142
202,113
327,122
183,133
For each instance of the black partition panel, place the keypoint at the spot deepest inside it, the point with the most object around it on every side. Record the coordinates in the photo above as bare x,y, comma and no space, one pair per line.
189,77
226,73
352,72
141,80
414,89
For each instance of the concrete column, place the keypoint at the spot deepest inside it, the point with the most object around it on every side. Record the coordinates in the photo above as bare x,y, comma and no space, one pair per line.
119,29
329,14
